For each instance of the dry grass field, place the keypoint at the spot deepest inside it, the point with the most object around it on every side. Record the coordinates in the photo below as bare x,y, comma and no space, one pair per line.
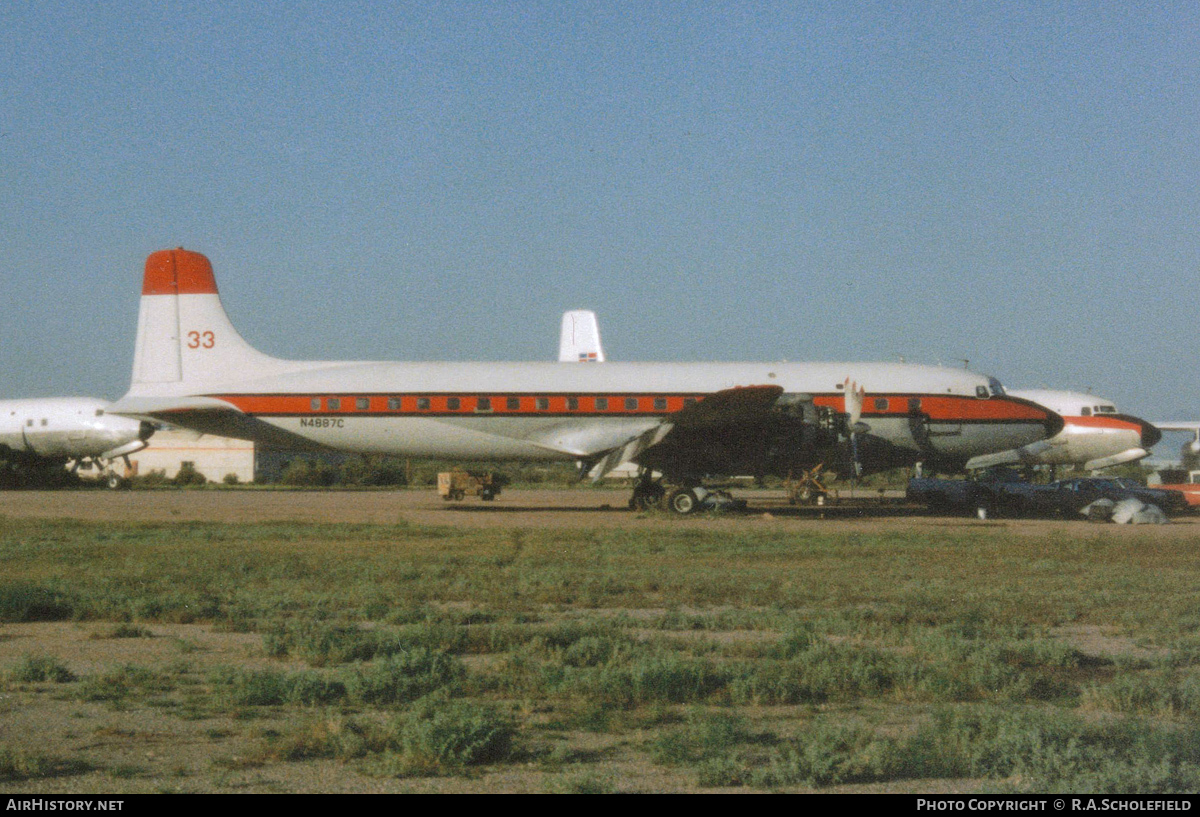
552,641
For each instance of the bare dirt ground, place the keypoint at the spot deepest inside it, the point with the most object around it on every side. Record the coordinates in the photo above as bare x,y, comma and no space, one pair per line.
564,508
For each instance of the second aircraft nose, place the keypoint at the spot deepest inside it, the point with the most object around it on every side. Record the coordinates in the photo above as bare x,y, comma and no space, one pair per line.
1150,434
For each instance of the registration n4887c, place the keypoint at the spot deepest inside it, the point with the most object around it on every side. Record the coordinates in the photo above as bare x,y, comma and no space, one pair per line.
322,422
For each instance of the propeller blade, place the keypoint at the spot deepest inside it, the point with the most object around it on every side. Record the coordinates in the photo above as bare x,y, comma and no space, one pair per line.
854,401
855,396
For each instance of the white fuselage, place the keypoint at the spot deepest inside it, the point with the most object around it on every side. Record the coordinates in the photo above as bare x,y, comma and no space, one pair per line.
549,411
193,369
63,428
1094,435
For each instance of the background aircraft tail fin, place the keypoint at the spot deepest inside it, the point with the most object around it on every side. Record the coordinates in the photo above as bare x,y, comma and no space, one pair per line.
580,338
184,336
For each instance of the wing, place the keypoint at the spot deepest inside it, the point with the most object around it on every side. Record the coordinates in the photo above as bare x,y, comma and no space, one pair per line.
1190,425
701,435
744,404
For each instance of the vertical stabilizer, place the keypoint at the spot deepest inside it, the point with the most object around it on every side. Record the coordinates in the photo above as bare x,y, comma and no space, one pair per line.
580,338
184,336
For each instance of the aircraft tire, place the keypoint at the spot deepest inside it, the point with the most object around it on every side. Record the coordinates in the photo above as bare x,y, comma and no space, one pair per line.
683,501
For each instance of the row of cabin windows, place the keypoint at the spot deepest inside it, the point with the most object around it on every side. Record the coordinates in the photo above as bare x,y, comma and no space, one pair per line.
490,403
883,404
29,422
46,422
539,403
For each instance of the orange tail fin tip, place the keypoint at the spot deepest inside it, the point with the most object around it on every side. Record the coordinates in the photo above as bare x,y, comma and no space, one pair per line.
178,272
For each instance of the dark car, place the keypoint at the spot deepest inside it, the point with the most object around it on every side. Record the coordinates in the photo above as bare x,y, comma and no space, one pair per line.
1070,496
1004,493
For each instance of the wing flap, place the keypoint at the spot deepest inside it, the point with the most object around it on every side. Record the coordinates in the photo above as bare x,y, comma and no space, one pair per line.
629,451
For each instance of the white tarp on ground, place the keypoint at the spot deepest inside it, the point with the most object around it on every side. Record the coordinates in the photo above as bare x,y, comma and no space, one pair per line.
1126,512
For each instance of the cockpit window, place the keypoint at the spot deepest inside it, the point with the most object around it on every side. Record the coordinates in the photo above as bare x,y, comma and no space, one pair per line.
1086,411
1106,409
995,387
982,392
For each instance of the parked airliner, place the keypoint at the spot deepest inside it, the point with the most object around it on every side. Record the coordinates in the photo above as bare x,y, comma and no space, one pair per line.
1094,435
39,436
685,420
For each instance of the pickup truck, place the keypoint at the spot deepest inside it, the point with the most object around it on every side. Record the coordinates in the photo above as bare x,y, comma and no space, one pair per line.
1002,494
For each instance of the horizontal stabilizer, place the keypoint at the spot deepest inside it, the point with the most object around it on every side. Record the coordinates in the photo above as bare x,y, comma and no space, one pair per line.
208,415
162,408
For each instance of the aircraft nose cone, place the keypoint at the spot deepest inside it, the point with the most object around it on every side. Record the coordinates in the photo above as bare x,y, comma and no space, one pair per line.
1150,434
1054,424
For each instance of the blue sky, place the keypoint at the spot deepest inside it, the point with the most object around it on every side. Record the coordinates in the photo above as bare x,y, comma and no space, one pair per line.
1013,184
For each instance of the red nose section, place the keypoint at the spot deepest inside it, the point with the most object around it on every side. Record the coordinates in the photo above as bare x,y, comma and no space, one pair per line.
178,272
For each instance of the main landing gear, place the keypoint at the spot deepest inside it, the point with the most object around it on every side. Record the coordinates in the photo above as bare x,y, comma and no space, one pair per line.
652,494
648,492
106,472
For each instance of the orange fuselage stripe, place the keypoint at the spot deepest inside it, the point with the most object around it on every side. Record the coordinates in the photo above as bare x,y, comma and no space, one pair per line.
1102,422
936,407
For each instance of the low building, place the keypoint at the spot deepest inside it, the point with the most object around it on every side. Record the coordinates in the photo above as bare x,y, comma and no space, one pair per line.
214,457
